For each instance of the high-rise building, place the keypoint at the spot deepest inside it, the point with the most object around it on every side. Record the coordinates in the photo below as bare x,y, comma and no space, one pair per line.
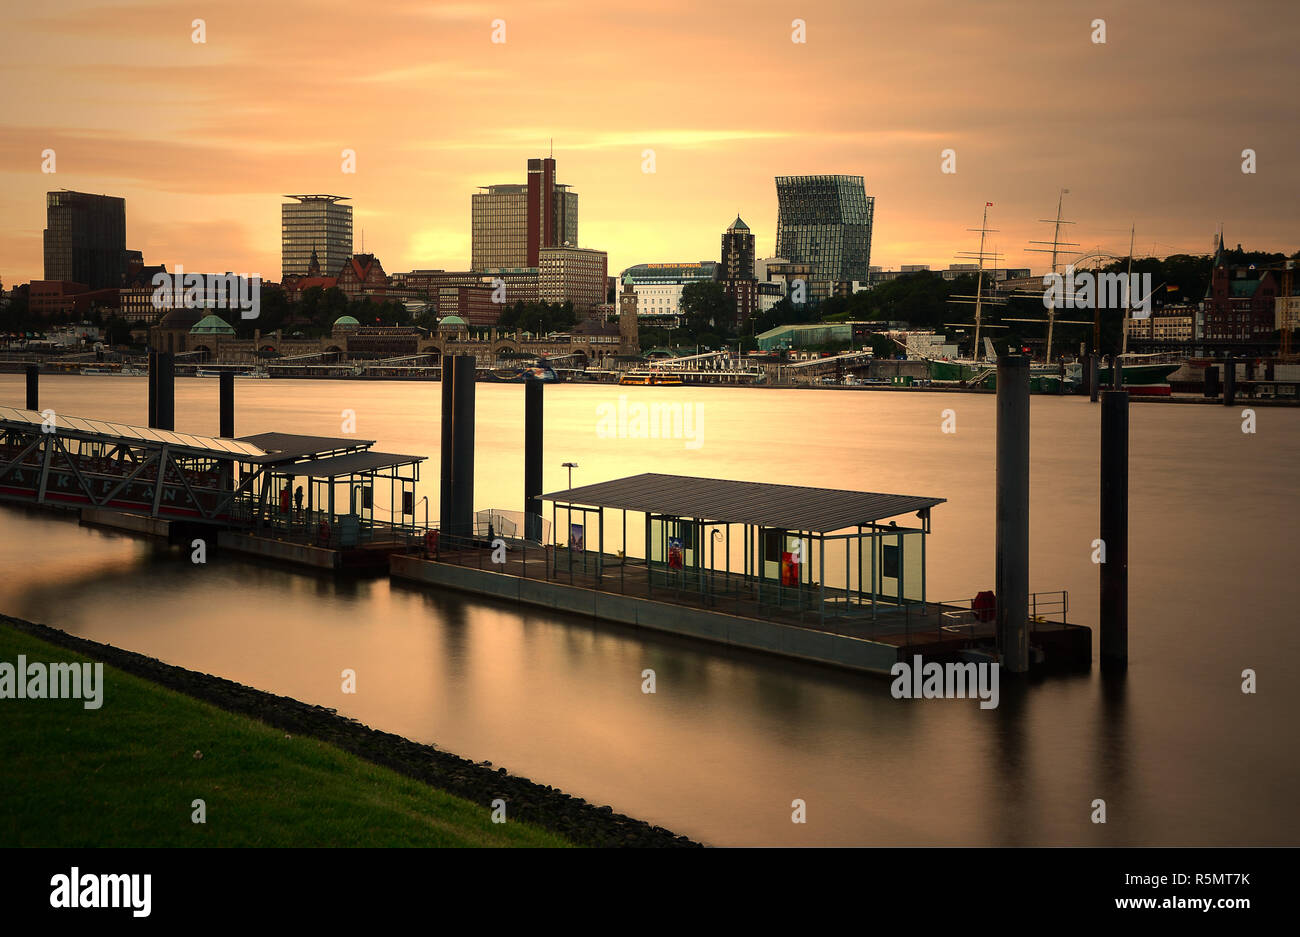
85,239
737,252
825,221
510,224
316,223
574,275
736,271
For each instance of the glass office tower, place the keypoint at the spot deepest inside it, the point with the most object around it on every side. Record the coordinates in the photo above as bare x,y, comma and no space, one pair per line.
825,221
319,223
85,239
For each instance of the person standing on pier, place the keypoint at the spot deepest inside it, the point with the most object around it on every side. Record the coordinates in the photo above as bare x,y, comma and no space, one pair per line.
297,500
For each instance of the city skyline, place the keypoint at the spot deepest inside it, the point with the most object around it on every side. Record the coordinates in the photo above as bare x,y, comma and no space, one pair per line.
204,162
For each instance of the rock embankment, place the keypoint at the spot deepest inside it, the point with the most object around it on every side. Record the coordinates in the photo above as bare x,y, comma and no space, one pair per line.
545,806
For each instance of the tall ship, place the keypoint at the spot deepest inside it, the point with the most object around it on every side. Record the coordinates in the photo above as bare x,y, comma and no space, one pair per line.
1139,374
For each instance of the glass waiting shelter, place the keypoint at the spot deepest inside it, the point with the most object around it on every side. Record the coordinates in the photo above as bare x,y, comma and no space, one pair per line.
773,550
333,491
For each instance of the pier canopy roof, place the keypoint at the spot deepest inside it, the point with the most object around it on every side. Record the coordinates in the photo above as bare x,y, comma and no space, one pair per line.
261,449
242,450
353,463
787,507
288,447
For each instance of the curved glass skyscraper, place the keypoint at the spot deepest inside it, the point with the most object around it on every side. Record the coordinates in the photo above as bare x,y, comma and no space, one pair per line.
825,221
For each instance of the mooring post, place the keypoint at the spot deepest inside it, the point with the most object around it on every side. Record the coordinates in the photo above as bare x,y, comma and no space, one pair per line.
448,440
1094,376
227,404
533,459
462,472
1212,381
153,390
33,386
166,392
1012,513
1116,373
1229,381
1114,528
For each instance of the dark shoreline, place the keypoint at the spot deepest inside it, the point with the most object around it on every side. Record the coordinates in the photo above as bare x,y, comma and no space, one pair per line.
572,817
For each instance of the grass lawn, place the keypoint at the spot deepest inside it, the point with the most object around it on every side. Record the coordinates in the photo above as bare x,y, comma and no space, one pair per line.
126,775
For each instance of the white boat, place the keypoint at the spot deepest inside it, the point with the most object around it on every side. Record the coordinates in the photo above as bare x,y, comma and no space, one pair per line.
255,374
98,371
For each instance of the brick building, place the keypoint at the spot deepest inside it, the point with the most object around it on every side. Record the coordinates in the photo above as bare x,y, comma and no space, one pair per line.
1240,302
362,277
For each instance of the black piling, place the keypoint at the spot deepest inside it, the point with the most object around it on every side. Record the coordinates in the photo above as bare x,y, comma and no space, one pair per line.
533,459
462,470
1012,512
1212,381
1229,382
1094,377
165,391
153,390
448,439
33,386
226,393
1114,528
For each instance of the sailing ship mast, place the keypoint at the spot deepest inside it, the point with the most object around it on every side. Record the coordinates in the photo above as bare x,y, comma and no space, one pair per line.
984,231
1057,244
1128,290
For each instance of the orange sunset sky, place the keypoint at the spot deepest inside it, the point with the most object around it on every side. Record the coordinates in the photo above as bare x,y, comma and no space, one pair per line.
203,139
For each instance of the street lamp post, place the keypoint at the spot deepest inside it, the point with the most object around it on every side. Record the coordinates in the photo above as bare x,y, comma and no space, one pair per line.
570,466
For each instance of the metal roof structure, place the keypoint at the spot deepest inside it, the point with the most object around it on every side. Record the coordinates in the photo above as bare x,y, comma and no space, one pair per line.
353,463
240,449
788,507
285,447
262,448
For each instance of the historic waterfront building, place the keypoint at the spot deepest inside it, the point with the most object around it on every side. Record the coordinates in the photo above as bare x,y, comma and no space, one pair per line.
659,286
825,221
1240,302
628,324
362,277
316,224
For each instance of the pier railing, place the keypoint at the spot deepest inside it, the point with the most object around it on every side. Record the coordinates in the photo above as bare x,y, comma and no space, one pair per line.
951,624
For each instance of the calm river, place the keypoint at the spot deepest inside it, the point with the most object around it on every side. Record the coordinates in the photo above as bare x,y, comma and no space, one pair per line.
1180,755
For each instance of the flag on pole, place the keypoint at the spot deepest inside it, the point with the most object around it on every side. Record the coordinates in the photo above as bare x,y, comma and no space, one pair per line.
988,204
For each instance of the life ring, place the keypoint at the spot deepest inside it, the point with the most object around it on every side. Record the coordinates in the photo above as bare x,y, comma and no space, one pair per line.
323,531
